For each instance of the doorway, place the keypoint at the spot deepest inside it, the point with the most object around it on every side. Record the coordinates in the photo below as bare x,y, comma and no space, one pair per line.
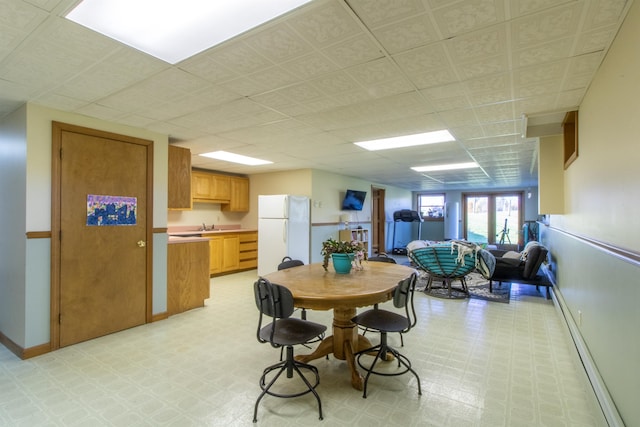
494,218
378,221
101,253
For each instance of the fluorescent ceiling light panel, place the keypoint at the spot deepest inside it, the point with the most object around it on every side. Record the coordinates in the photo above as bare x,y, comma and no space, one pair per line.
407,140
451,166
175,30
235,158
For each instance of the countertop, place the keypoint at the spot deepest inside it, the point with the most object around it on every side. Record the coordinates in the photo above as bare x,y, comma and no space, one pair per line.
185,234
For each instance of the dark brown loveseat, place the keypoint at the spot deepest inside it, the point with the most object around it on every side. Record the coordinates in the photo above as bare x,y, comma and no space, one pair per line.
521,267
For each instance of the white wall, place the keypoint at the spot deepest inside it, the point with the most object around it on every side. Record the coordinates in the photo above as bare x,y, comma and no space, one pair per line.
209,213
602,195
13,179
26,139
602,203
297,182
325,190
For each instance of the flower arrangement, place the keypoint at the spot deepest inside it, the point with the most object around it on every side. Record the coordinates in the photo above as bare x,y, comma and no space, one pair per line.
332,246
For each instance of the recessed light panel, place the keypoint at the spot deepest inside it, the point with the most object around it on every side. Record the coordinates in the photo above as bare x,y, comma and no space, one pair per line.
235,158
407,140
451,166
175,30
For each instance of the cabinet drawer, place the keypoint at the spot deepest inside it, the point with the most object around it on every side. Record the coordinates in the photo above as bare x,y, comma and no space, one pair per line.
248,255
248,246
248,237
251,263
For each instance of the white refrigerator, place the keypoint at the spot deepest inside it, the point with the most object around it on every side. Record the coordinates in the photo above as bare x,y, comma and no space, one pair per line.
284,229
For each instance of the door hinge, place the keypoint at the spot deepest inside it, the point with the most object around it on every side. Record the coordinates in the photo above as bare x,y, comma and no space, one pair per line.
61,154
60,319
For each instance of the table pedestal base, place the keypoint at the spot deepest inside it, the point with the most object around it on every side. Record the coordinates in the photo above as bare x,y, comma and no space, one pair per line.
344,343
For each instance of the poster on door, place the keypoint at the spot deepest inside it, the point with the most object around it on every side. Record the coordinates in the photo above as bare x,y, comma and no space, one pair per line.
111,210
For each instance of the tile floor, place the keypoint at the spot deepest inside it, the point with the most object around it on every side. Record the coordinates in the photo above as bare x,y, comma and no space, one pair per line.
480,364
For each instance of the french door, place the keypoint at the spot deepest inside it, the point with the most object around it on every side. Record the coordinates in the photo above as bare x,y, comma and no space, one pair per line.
493,218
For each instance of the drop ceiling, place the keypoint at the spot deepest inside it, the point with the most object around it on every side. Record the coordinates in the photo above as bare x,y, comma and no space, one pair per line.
299,90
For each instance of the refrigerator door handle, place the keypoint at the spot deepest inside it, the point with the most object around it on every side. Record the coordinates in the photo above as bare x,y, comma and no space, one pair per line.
284,230
285,206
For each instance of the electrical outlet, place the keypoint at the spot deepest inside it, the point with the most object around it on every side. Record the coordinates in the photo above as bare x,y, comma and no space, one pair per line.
579,317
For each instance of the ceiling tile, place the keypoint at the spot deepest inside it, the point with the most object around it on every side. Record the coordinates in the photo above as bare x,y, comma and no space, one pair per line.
551,24
353,51
310,66
300,88
278,43
239,56
463,17
407,34
375,13
325,23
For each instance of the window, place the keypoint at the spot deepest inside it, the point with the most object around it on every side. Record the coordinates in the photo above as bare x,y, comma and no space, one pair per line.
431,206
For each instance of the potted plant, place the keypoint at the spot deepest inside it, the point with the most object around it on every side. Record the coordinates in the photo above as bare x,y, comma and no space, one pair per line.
355,250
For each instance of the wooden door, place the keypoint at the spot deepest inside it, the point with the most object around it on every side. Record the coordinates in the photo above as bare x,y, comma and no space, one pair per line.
378,219
103,253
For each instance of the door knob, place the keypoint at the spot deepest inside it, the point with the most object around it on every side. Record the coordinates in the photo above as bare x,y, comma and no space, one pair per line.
142,243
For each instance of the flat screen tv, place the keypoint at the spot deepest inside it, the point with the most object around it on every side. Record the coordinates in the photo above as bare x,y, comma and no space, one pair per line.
353,200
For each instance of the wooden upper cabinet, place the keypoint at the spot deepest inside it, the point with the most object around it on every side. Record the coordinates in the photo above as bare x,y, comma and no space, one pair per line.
209,187
179,178
231,192
239,200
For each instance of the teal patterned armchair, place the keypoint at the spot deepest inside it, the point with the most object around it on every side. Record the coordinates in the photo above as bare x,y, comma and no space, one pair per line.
446,262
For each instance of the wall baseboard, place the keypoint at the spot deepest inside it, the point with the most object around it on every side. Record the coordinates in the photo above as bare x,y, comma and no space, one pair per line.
24,353
27,353
159,316
604,400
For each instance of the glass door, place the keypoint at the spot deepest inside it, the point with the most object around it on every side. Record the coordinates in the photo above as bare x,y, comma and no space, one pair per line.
477,218
507,224
493,218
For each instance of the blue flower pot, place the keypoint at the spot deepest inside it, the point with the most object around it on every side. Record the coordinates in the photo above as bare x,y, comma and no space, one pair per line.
342,263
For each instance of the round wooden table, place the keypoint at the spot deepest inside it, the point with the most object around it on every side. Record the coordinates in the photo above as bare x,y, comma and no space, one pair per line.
314,288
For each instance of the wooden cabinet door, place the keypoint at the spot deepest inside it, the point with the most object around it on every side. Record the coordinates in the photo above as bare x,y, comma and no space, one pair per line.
201,185
216,254
220,188
231,252
187,276
179,178
210,187
239,195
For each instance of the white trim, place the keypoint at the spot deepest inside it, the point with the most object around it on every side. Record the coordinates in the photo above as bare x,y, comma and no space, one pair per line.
604,400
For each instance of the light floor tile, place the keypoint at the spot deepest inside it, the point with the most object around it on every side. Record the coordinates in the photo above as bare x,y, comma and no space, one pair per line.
480,364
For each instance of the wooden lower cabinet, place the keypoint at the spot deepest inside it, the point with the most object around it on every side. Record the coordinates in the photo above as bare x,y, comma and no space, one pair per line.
248,250
230,252
233,252
187,276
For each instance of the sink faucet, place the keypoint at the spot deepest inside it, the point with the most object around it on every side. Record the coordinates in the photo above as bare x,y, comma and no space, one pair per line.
204,227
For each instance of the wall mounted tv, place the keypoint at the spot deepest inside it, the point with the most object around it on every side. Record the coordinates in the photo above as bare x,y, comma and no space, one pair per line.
353,200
